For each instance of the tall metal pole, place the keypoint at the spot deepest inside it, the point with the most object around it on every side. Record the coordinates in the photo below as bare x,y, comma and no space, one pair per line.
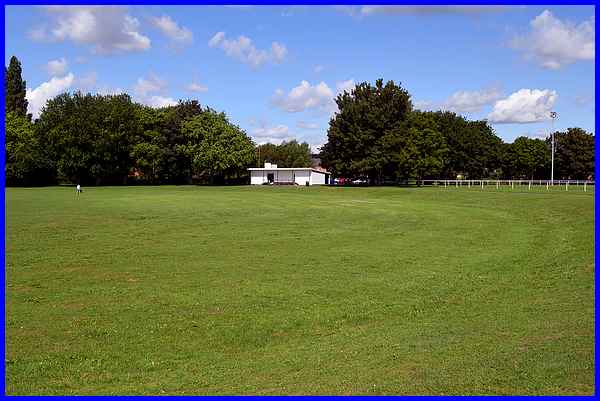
553,116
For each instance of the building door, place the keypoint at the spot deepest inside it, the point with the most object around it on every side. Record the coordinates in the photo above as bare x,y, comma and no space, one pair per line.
270,177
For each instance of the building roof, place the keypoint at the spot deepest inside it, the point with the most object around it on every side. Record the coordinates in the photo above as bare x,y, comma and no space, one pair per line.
320,170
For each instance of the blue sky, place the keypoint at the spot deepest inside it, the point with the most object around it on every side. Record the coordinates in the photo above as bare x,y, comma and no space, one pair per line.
275,69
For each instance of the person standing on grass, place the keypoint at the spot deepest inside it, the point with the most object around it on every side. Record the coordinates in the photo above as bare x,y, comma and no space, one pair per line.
78,189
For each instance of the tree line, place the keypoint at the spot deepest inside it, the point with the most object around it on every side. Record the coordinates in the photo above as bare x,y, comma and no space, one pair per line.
111,140
378,135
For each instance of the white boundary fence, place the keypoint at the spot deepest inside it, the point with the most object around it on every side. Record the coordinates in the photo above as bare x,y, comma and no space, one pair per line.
577,185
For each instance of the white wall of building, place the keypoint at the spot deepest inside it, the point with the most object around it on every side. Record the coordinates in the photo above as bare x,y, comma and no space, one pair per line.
283,175
256,177
317,178
302,176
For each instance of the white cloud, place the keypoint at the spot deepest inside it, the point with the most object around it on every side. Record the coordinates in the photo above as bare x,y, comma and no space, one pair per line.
87,82
158,101
271,134
524,106
244,50
423,105
38,97
554,43
278,51
307,125
107,90
151,84
539,134
345,86
196,87
108,29
150,91
471,101
217,39
180,35
57,68
305,96
319,68
463,101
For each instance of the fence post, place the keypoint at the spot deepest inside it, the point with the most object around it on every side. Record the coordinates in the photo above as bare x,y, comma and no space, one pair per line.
497,184
512,184
456,183
481,184
567,186
529,186
585,187
546,185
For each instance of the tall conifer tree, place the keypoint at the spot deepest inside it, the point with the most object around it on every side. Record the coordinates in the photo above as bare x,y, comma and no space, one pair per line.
15,89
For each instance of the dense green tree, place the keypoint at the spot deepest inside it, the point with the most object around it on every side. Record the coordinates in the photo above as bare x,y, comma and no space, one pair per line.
376,134
90,136
528,158
177,168
506,163
415,149
287,154
294,154
149,152
25,163
428,147
151,149
366,114
574,154
217,149
15,89
268,152
148,158
474,150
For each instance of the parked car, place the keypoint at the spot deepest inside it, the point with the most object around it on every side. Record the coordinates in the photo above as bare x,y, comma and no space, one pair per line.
359,181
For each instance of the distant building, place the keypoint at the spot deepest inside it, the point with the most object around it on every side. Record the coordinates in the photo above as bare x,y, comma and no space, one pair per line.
271,174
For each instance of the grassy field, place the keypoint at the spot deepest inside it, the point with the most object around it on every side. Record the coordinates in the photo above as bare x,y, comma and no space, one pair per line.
266,290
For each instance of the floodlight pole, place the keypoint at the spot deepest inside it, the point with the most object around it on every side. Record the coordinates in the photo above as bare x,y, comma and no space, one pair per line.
553,116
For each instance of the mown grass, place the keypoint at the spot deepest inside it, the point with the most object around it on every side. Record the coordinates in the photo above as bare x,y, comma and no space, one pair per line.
262,290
